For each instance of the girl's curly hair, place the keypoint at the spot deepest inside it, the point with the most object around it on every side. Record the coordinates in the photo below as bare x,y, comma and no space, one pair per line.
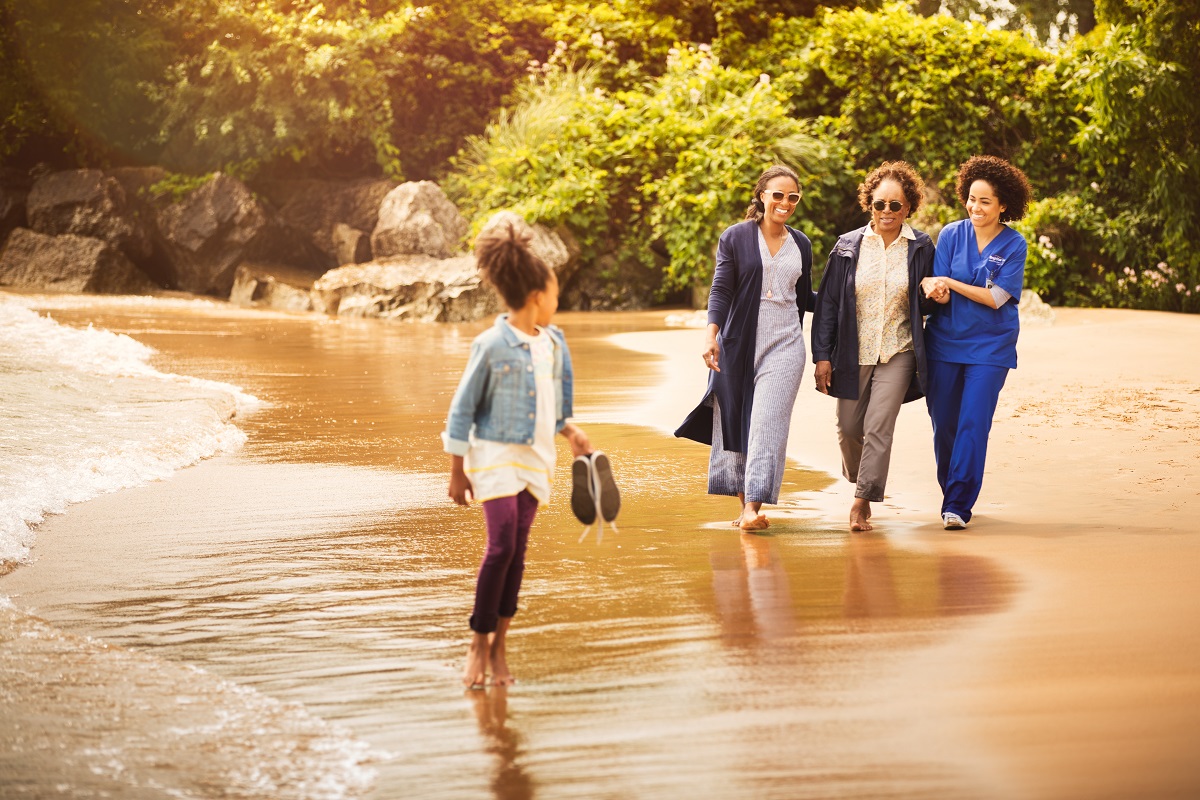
900,172
1009,183
503,255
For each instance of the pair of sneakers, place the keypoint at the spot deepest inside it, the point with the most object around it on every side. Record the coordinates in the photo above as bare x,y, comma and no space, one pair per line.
594,493
953,522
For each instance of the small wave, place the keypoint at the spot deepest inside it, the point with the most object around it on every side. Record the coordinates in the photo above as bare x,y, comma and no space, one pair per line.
83,413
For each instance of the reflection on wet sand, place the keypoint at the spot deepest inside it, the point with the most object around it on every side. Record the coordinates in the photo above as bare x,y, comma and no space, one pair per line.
509,781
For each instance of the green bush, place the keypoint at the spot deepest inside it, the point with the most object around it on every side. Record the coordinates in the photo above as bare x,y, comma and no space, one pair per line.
1065,265
652,175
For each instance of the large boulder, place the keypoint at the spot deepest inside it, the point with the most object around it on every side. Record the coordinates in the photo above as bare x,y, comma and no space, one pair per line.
215,228
412,288
417,218
68,263
12,210
1032,310
86,202
319,208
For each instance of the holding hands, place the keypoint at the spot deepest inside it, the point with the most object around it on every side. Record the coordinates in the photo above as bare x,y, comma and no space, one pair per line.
936,289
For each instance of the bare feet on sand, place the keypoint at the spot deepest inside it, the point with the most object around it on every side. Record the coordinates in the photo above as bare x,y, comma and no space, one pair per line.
500,674
860,513
752,520
475,674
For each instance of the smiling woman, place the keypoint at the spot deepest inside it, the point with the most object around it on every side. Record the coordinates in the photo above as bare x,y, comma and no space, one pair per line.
761,288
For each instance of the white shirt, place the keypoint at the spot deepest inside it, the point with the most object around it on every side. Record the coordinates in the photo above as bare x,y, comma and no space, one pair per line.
500,469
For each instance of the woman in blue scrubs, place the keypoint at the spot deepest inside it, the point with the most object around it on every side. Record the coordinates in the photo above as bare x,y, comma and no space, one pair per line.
971,338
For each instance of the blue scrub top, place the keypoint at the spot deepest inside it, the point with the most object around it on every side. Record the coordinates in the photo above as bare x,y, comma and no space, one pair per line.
966,332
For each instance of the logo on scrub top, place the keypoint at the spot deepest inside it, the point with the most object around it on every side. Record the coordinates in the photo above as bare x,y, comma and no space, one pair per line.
997,260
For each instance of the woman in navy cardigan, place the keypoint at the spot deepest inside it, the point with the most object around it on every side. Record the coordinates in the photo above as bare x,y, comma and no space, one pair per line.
761,288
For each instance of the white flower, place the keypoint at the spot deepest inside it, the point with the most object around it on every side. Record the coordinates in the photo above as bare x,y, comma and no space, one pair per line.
1095,186
704,48
1044,241
764,79
695,95
597,39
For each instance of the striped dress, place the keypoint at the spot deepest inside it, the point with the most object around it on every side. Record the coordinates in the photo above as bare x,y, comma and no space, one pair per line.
779,357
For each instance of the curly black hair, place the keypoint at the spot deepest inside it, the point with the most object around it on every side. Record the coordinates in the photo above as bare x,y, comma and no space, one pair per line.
503,255
1009,183
756,209
900,172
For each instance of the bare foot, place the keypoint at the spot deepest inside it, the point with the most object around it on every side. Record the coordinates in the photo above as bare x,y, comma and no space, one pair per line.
496,655
737,521
475,674
860,513
753,521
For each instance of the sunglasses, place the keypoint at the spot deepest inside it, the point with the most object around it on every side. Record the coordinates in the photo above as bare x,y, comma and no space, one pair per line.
892,205
778,197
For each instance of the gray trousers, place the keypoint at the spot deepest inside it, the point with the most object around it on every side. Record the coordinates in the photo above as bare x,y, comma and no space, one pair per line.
865,426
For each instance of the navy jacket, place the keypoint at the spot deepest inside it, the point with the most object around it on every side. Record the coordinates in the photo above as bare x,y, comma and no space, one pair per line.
835,320
733,307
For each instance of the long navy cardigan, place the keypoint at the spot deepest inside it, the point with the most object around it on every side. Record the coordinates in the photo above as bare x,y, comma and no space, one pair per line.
733,307
835,320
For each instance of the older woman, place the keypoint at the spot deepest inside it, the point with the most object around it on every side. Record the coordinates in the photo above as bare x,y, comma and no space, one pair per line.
867,336
754,350
972,337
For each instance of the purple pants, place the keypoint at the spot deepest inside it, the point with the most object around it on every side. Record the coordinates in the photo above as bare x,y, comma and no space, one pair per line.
508,520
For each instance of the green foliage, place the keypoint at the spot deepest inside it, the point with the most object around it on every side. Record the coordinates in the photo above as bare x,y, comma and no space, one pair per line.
176,186
650,175
72,85
1065,265
933,92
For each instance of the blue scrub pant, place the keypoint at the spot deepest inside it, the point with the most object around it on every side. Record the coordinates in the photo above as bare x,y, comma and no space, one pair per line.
961,400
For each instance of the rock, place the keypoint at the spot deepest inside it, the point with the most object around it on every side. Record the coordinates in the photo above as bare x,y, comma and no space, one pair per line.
413,288
687,319
69,263
611,285
86,202
1032,310
317,208
271,286
417,218
350,245
212,230
12,210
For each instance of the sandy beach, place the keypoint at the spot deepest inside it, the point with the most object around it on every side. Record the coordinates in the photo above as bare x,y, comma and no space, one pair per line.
1049,651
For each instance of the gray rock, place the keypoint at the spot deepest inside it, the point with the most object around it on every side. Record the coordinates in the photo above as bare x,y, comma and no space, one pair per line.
1032,310
86,202
271,287
317,208
412,288
350,245
12,210
417,218
69,263
207,234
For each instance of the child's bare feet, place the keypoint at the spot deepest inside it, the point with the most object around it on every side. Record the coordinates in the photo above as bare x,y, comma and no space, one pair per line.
753,521
497,655
860,512
475,674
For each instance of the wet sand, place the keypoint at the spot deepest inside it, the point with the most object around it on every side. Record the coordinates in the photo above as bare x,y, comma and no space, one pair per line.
1088,686
1050,651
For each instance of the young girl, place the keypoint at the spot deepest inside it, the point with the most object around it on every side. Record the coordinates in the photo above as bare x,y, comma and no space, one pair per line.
515,394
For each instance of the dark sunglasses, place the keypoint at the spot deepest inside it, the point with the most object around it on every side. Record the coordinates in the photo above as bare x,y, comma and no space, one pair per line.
892,205
778,196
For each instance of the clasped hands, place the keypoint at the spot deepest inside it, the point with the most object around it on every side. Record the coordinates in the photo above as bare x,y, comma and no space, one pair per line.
936,289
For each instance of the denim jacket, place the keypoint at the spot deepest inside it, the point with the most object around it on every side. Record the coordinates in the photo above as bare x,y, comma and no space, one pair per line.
497,394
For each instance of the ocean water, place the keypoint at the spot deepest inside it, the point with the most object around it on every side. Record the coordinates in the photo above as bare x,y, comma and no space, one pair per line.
83,413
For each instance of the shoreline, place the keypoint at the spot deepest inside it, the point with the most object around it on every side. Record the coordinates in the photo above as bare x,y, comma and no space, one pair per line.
1089,684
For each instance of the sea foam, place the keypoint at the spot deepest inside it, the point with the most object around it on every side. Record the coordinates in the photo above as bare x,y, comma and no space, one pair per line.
83,412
